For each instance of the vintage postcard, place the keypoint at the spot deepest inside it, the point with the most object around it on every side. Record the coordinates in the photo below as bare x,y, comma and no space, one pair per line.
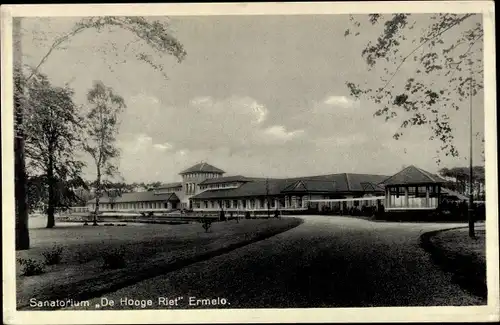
249,163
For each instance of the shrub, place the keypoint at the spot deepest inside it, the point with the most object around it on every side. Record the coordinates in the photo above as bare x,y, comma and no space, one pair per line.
114,259
206,223
81,257
222,216
30,267
53,256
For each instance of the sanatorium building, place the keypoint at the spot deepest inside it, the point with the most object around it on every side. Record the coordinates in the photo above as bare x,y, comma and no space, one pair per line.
204,188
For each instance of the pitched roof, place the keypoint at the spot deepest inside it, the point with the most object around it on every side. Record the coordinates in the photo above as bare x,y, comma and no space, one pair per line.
325,184
227,179
413,175
452,194
344,182
254,188
139,197
307,185
203,168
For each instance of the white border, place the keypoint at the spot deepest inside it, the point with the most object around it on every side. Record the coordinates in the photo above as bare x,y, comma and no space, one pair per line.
386,314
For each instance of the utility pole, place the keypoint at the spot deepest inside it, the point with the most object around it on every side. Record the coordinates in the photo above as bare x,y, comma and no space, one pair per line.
470,210
267,197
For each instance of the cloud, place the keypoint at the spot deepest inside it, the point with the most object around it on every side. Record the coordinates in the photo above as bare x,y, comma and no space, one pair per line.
205,122
279,132
142,143
143,98
341,101
260,112
206,100
242,135
162,146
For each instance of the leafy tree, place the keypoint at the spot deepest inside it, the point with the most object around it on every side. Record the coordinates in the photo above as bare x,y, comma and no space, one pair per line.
114,190
52,130
153,34
101,125
37,193
153,185
446,68
67,193
460,179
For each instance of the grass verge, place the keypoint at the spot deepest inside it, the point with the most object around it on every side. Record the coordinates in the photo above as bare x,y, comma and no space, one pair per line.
463,257
83,278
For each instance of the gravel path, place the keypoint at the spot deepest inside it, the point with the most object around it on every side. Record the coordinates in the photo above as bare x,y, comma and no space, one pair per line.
325,262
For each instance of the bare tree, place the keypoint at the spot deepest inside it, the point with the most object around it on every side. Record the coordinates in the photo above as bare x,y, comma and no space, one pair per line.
101,125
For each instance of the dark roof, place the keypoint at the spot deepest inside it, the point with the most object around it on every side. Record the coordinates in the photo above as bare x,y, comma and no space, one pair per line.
363,182
253,188
413,175
139,197
452,194
325,184
345,182
228,179
307,185
169,185
203,168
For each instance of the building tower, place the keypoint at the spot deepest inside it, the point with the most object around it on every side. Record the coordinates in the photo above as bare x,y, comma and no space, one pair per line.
194,175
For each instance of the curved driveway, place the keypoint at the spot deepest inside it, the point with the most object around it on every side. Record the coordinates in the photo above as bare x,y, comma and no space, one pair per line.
325,262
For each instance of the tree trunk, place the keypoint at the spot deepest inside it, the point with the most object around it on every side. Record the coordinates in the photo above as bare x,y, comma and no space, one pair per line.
97,196
51,184
20,178
22,233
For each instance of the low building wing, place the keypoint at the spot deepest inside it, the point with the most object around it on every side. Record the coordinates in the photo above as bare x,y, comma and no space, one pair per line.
138,197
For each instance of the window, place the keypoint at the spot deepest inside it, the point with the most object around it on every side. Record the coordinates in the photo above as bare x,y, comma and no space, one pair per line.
197,204
244,203
394,191
421,191
235,203
228,204
433,191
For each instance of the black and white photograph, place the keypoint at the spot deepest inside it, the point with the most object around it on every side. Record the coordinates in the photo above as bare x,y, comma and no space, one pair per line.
255,162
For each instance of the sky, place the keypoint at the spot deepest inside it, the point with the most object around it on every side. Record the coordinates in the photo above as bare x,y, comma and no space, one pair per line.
255,96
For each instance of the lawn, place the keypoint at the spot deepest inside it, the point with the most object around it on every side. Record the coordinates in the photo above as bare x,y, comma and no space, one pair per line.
458,241
463,256
147,249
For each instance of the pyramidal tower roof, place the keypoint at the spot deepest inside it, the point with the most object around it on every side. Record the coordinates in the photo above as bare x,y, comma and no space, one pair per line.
202,167
413,175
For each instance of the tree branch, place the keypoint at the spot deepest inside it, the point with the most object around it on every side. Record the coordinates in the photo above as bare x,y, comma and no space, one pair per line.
56,43
418,47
